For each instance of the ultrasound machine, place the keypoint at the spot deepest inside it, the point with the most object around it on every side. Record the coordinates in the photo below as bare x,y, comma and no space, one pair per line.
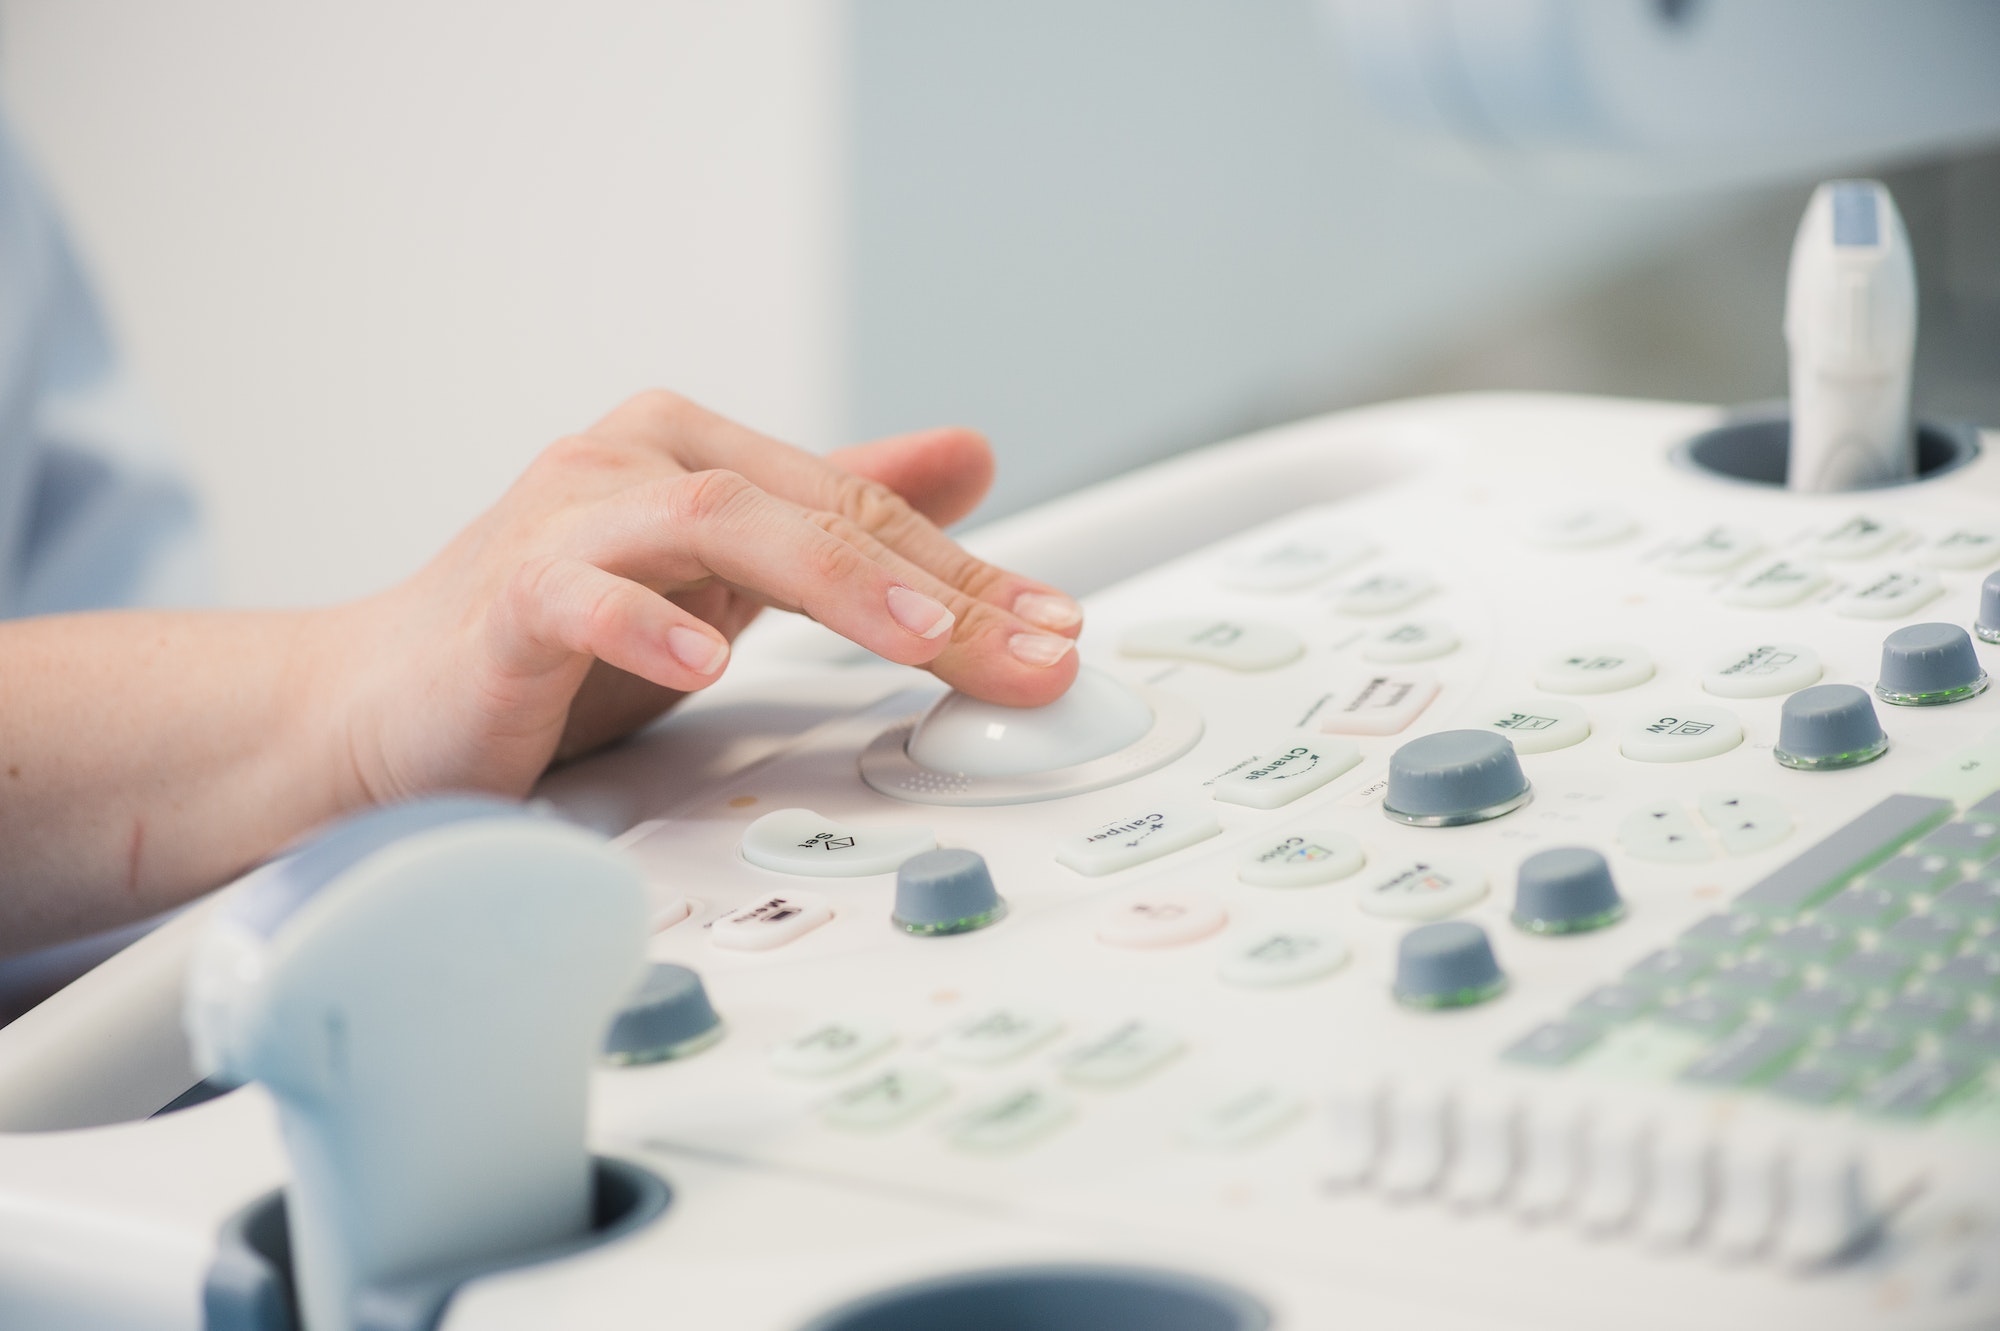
1508,860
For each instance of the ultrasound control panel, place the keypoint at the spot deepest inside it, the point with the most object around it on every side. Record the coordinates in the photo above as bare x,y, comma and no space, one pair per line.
1510,877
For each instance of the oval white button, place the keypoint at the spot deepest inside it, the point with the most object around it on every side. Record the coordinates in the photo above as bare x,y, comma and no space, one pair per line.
1424,890
1239,644
1764,670
1283,956
1141,837
1383,592
1539,725
1888,595
890,1097
770,921
828,1047
1716,550
1860,537
800,841
1302,858
1380,704
1412,640
1279,773
1581,528
1964,546
1122,1054
1288,564
1775,584
1681,735
1600,667
997,1035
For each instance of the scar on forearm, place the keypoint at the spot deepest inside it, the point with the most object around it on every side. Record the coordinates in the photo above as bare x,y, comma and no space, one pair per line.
132,856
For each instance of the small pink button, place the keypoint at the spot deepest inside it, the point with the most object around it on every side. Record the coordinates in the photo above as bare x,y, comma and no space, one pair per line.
1166,919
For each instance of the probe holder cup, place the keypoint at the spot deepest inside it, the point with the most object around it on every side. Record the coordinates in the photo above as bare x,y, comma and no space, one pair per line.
1754,446
249,1284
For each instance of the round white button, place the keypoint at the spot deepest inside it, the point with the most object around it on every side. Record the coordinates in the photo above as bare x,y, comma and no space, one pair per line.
1286,565
1303,857
1274,957
1581,528
1412,640
1599,667
1424,890
1968,545
1762,671
1384,592
1680,736
1165,919
1237,644
1538,725
1716,550
1888,595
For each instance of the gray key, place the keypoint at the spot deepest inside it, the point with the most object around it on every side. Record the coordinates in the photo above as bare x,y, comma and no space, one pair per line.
1908,874
1921,1010
1820,941
1878,971
1864,907
1917,1088
1975,972
1551,1044
1975,843
1768,978
1813,1083
1705,1014
1612,1003
1749,1055
1978,1038
1668,968
1987,809
1931,935
1820,1008
1867,1048
1969,902
1720,933
1844,853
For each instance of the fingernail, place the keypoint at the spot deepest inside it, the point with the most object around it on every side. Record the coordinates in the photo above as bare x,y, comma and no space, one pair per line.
919,613
1039,649
696,650
1049,610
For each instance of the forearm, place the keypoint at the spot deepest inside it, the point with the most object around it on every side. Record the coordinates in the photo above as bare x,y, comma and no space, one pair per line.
145,758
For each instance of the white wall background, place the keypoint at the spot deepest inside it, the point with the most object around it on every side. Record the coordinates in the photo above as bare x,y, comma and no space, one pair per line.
368,257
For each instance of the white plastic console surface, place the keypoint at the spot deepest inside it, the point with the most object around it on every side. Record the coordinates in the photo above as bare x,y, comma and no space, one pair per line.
1042,1089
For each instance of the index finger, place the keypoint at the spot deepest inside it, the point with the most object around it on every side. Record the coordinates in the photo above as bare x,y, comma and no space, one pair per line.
701,440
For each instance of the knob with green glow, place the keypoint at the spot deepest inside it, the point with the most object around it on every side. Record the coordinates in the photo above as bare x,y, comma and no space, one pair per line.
1828,727
1926,665
1448,964
946,892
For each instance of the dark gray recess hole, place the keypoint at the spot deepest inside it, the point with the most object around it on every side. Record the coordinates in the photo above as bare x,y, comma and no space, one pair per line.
1053,1298
1753,449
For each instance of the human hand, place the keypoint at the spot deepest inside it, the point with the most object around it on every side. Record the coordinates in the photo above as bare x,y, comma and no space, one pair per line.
611,577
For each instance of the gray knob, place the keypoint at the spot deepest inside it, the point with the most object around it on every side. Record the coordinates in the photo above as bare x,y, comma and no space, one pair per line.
1449,964
1988,624
1924,665
1567,890
669,1017
946,892
1454,777
1829,726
